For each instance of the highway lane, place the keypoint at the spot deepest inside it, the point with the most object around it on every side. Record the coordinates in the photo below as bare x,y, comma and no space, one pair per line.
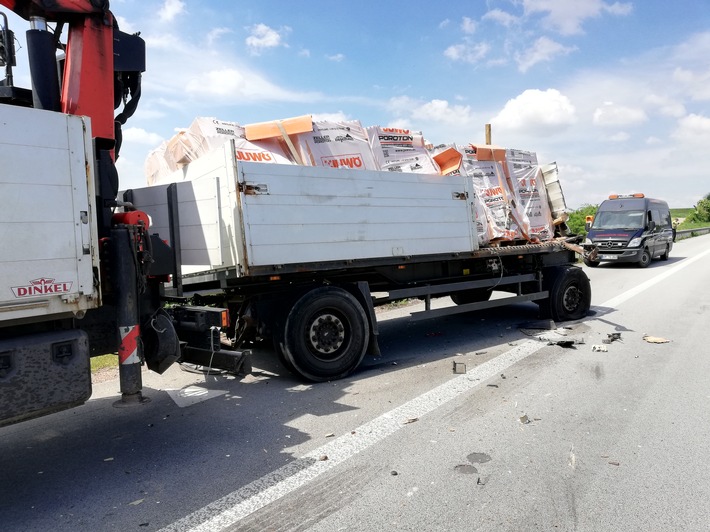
614,439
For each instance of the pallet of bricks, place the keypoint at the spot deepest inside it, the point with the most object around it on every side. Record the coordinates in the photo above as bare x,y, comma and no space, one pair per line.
517,200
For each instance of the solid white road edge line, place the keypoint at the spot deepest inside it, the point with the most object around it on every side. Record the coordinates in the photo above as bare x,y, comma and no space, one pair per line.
240,503
621,298
269,488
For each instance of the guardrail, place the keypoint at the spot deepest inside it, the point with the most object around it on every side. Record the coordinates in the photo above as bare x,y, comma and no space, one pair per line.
687,233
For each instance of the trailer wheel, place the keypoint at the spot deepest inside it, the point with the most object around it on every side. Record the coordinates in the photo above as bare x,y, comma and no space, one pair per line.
570,294
326,334
474,295
645,259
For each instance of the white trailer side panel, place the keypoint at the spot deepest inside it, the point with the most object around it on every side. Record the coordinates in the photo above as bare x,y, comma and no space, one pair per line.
244,215
296,214
210,222
49,246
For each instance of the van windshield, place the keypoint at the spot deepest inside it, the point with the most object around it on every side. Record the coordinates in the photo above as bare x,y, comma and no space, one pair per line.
618,220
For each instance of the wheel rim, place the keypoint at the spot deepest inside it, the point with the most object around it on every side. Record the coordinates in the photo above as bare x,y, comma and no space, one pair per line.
571,298
326,336
646,257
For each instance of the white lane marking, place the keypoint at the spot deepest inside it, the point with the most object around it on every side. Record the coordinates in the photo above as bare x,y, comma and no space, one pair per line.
239,504
621,298
269,488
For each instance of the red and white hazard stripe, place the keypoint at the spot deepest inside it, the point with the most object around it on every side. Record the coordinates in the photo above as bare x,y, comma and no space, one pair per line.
128,350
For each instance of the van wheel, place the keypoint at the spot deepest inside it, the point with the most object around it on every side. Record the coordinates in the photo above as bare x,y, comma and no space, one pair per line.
326,334
570,294
666,253
645,258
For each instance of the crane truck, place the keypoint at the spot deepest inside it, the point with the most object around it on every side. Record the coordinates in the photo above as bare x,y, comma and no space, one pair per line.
77,277
230,249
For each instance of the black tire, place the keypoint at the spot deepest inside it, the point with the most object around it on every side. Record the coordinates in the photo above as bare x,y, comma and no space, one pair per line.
326,334
591,263
666,253
570,294
474,295
645,259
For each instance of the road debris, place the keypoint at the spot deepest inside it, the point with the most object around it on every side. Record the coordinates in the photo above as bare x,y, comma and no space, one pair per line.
323,458
459,367
524,419
394,473
614,463
599,349
566,343
411,420
136,503
492,385
612,337
482,480
330,435
655,339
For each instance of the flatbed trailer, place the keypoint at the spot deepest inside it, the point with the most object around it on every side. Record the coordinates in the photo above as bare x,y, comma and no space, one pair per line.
305,254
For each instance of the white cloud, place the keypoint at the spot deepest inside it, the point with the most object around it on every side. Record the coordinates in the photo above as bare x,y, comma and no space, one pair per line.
567,17
331,117
444,23
215,34
468,25
124,25
235,86
441,111
696,83
336,58
614,115
171,9
693,129
467,52
544,49
141,136
501,17
538,112
665,105
305,52
621,136
262,37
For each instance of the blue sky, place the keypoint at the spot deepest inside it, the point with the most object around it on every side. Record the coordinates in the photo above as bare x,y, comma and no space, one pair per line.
617,93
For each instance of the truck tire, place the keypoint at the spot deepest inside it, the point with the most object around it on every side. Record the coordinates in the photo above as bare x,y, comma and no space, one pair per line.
645,259
326,334
474,295
570,294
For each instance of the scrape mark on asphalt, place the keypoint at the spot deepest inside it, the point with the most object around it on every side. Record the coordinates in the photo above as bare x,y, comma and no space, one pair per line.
237,505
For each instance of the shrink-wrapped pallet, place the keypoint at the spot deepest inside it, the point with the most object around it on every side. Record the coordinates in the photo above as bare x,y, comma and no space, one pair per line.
528,185
336,145
401,150
496,199
203,136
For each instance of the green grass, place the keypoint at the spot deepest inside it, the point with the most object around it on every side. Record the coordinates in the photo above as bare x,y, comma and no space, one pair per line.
104,361
681,213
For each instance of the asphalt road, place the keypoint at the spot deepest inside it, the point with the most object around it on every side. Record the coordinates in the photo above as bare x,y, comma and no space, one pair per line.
530,436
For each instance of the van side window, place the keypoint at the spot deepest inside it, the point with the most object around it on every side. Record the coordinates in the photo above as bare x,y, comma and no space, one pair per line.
665,219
